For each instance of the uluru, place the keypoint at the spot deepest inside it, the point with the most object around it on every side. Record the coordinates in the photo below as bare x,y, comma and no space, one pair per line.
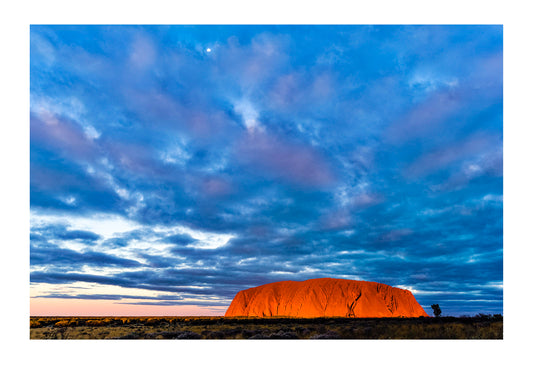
325,297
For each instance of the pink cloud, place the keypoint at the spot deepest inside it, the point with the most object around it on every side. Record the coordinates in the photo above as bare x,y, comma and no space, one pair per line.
295,163
297,90
143,52
322,87
152,104
216,187
429,116
395,234
62,134
488,163
159,109
335,220
443,157
286,91
367,199
251,65
134,157
424,118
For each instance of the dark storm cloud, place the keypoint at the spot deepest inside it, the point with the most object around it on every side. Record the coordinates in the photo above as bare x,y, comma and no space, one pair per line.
72,259
372,152
116,242
61,277
60,232
180,239
109,297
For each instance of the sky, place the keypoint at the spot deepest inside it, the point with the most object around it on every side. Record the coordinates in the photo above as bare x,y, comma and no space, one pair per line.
173,166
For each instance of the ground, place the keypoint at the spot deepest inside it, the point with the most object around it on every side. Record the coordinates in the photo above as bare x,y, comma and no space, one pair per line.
478,327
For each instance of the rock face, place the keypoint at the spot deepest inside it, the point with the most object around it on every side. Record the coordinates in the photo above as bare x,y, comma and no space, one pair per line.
325,297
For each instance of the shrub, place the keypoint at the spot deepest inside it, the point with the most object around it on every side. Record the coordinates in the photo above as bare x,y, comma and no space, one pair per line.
95,322
232,333
249,333
327,335
129,336
284,335
216,335
259,336
189,335
153,321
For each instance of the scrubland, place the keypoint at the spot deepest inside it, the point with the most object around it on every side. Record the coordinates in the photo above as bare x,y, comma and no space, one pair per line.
477,327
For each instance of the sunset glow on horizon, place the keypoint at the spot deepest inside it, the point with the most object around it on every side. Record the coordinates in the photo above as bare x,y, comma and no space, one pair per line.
174,166
107,308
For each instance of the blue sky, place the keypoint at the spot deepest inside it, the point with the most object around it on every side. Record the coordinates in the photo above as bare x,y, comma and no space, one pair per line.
172,166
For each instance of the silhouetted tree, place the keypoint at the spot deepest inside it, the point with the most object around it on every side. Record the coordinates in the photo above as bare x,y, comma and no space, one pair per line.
436,310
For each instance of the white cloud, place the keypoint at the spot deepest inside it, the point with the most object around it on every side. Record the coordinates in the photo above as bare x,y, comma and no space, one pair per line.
138,205
49,108
246,261
249,115
71,245
282,273
103,224
91,132
42,289
207,240
351,252
429,81
204,240
176,153
108,226
407,287
43,47
70,200
493,198
121,191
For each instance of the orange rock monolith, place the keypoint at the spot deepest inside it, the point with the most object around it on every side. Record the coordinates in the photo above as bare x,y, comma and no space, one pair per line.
325,297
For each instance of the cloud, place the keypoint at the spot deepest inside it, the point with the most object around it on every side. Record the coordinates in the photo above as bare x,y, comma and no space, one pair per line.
60,232
256,63
62,134
292,162
180,239
103,224
108,297
465,150
143,52
75,260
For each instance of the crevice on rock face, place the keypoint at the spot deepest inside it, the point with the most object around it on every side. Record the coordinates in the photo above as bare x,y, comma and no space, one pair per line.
351,307
325,297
